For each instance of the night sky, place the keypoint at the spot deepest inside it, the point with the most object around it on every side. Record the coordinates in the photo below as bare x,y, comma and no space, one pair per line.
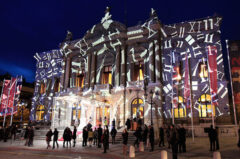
30,26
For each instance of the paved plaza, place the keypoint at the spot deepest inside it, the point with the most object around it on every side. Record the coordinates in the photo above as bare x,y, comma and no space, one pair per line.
195,150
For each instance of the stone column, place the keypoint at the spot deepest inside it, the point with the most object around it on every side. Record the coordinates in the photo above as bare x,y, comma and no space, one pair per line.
157,61
88,71
67,72
118,65
93,69
123,66
63,74
151,62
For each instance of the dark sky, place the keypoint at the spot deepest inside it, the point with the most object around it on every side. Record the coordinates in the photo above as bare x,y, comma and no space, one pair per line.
30,26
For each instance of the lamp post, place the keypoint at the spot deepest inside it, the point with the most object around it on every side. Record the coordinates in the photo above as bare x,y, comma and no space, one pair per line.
151,96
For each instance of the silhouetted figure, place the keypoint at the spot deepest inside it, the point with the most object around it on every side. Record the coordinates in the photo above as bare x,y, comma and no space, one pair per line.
151,137
90,137
239,138
125,141
212,138
49,138
138,136
30,136
85,137
174,141
64,136
217,141
26,135
128,124
113,123
168,136
74,136
55,138
100,132
105,140
182,139
113,134
1,133
67,136
145,134
13,132
161,137
95,136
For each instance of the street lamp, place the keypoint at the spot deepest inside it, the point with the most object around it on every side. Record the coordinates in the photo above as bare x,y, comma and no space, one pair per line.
151,96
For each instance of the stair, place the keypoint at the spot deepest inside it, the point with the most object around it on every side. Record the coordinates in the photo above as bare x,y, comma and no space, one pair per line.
118,138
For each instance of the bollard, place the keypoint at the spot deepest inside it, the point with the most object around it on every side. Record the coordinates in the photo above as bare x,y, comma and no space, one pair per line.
163,154
216,155
132,151
141,147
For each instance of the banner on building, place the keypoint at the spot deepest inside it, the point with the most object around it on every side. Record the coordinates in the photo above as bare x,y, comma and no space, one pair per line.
187,92
234,55
212,68
4,96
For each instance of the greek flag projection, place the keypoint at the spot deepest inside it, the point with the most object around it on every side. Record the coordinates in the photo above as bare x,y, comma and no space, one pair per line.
199,41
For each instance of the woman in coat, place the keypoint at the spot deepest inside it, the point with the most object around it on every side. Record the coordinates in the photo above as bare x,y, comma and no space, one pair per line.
48,137
74,136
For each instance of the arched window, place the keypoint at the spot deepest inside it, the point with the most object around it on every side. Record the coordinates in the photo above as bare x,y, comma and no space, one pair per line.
180,112
137,108
203,72
76,113
40,112
77,73
204,108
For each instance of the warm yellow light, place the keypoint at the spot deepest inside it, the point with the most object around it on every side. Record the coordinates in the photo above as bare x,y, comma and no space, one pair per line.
110,78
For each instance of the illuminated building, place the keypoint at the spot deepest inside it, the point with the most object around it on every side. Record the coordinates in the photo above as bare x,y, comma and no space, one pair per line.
111,71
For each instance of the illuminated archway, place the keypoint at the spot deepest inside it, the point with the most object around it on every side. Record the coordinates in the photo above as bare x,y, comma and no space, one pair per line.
137,108
204,108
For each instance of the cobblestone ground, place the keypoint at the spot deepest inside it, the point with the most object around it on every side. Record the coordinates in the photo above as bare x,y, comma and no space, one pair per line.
195,150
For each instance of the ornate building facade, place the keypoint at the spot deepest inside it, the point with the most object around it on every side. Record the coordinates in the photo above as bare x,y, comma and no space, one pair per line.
115,72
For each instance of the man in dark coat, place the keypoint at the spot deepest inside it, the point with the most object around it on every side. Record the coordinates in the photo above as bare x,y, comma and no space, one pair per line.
217,141
26,135
151,137
145,134
55,138
138,135
212,138
128,124
99,136
49,137
74,136
161,137
174,141
182,139
64,136
30,136
1,133
105,139
113,134
13,132
69,137
85,137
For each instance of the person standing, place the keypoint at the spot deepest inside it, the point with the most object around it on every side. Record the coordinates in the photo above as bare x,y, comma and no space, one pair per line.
30,136
55,138
1,133
113,134
151,137
145,134
74,136
85,136
168,136
239,138
211,135
174,141
90,137
106,140
161,137
113,123
64,137
138,135
26,135
95,136
125,141
182,139
13,132
128,124
49,137
217,141
100,131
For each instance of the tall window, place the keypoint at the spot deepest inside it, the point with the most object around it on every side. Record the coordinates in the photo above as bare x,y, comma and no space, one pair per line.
179,112
203,73
42,88
40,112
80,79
107,75
138,71
57,85
205,108
76,113
137,108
